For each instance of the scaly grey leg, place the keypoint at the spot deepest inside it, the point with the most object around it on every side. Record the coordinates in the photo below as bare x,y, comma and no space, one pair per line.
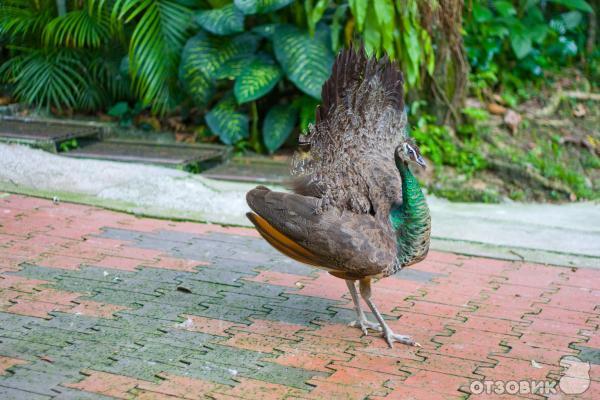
388,334
361,322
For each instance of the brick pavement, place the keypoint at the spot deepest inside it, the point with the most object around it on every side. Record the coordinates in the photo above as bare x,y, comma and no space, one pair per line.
96,304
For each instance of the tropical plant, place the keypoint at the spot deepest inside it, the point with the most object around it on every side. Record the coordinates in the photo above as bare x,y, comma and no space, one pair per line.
508,42
394,28
60,61
291,57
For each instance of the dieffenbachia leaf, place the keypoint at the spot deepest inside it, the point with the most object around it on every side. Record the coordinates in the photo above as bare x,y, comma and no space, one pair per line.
221,21
306,60
209,53
249,7
278,125
256,79
225,121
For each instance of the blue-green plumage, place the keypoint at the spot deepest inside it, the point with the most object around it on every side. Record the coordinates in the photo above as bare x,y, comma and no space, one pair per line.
411,220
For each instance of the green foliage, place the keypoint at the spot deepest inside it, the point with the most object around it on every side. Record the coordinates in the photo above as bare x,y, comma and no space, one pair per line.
278,125
306,61
68,145
221,21
227,122
394,27
438,144
511,42
250,7
257,79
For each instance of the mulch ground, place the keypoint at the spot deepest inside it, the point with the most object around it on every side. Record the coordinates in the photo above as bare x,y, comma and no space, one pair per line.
96,304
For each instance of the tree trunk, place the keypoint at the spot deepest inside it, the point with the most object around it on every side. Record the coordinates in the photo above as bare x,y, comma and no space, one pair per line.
446,89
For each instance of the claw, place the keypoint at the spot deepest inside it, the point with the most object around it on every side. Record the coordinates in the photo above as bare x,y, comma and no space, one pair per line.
391,337
365,325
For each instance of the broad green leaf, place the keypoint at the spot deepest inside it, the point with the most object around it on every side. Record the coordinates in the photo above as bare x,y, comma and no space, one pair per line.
225,121
221,21
538,33
306,106
279,123
571,19
200,87
384,13
209,53
371,33
336,26
521,44
505,8
233,67
119,109
250,7
258,78
306,61
580,5
481,13
359,10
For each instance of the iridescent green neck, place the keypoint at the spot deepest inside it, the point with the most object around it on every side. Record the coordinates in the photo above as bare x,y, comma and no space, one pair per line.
410,220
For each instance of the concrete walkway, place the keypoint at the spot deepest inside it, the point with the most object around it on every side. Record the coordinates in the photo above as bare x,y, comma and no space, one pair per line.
98,305
554,234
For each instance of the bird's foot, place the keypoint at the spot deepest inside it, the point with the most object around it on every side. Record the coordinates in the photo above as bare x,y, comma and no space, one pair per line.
391,337
364,324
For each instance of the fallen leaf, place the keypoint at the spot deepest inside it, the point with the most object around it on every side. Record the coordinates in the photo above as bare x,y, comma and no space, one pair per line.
579,111
512,119
496,109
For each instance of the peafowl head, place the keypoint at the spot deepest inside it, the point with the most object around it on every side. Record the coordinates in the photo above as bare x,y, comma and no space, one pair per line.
408,153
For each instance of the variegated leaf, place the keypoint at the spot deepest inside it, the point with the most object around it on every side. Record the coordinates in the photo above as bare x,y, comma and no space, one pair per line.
258,78
278,125
221,21
306,60
249,7
225,121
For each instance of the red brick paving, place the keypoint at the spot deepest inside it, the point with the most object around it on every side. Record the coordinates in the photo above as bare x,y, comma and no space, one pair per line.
477,318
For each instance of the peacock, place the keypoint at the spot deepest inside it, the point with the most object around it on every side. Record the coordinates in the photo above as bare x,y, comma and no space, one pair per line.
356,210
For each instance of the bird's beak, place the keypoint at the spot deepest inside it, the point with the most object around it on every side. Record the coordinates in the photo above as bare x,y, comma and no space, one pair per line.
421,162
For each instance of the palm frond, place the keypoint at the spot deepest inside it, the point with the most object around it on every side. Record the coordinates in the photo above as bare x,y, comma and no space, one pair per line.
23,18
155,47
50,78
79,28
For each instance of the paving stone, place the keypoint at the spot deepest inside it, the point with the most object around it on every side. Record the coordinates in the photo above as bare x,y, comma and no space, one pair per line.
119,234
7,393
38,272
191,328
289,376
416,275
23,349
131,299
74,394
39,382
240,315
589,354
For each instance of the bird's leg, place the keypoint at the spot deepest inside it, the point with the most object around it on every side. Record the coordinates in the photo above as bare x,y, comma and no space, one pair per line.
388,334
361,322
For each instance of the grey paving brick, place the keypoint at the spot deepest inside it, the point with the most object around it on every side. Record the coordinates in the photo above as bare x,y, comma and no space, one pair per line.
36,381
284,375
240,315
11,347
416,275
32,271
119,234
7,393
123,297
